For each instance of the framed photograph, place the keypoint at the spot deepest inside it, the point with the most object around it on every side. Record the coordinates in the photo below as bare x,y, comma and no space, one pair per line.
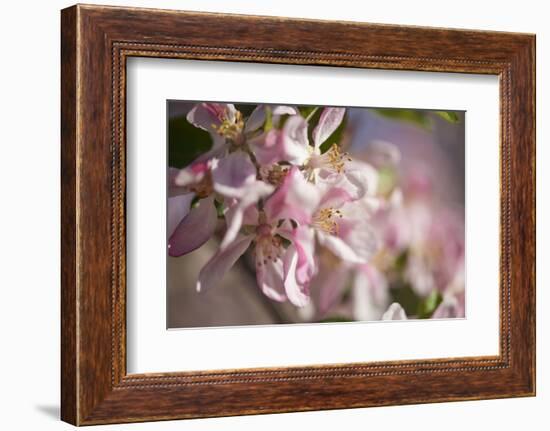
268,215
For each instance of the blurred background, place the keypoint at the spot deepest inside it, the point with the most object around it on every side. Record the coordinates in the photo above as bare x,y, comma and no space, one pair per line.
419,156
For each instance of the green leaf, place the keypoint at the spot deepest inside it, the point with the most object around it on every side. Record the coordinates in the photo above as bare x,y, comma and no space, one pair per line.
401,261
245,108
450,116
305,111
413,116
268,125
403,293
185,142
387,179
219,209
195,201
428,305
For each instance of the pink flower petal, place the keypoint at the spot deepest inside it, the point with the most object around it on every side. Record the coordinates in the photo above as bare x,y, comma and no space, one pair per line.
195,229
331,284
381,153
289,144
267,147
250,215
335,197
173,188
358,247
295,199
269,277
178,208
303,239
445,310
340,188
328,122
244,205
232,174
205,115
193,173
295,140
362,177
338,247
298,294
370,293
452,306
234,221
256,119
284,110
420,275
216,268
359,236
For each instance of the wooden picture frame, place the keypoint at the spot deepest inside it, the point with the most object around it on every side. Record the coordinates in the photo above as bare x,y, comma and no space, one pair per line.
95,43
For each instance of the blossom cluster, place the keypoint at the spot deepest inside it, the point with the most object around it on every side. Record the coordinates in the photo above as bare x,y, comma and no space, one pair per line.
278,194
420,254
328,233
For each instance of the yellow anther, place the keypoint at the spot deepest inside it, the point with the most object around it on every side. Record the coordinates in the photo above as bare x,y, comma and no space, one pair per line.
230,129
336,159
324,220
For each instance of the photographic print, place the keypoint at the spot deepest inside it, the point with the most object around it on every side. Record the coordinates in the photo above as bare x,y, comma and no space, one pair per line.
282,214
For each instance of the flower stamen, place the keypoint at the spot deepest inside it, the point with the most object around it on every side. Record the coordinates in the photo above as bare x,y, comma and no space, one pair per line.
269,247
230,129
325,220
333,159
336,159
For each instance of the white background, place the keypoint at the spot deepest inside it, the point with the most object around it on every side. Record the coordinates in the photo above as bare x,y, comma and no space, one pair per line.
153,349
29,228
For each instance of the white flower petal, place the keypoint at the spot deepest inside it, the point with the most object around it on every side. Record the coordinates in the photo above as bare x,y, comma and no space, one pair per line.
256,119
394,312
297,293
328,122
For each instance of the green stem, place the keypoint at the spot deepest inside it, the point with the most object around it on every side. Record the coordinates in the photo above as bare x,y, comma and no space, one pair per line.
312,113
